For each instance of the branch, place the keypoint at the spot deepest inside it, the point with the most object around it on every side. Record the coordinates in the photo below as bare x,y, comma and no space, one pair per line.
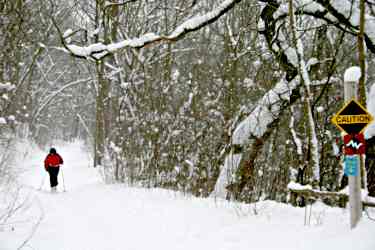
48,99
325,194
109,4
333,13
344,18
270,33
257,127
99,50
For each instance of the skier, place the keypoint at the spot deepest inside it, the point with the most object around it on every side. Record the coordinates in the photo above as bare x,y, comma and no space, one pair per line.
52,166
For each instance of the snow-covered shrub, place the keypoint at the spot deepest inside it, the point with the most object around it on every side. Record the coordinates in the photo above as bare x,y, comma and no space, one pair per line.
8,189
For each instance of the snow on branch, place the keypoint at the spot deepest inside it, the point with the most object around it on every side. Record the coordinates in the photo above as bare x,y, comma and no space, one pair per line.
307,190
49,98
344,14
298,187
198,22
269,107
267,110
108,4
256,124
99,50
7,86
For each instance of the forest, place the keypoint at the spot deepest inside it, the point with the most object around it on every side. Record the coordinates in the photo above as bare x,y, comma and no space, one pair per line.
231,98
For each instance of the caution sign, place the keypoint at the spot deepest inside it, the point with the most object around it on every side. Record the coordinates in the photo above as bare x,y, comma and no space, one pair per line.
353,118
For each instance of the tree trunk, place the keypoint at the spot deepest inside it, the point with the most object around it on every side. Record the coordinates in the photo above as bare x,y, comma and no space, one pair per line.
100,122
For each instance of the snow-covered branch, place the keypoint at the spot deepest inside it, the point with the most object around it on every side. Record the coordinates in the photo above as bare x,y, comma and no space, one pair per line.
99,50
267,111
49,98
6,86
108,4
344,14
269,108
307,190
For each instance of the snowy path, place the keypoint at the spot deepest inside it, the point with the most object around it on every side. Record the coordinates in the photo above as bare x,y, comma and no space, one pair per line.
94,216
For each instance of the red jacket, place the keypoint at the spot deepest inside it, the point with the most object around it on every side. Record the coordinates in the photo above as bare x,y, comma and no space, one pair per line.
53,160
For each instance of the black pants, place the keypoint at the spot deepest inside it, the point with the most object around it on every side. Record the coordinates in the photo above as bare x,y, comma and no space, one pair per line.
53,173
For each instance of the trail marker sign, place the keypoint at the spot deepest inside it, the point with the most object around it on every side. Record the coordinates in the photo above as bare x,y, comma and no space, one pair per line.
355,144
353,118
351,165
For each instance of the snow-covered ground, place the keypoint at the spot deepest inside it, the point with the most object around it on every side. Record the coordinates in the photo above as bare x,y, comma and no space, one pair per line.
95,216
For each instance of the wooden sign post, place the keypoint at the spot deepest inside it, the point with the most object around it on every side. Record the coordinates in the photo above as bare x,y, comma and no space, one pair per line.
352,119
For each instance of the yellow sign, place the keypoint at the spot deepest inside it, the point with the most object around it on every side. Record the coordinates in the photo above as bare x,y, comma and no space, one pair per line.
353,118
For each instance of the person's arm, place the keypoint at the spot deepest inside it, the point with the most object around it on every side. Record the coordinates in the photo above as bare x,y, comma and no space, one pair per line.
61,160
46,163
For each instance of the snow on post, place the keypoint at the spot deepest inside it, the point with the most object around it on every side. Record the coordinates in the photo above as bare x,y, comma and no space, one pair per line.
352,74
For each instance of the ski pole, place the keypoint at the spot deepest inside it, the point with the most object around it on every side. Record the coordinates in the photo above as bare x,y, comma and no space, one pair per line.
62,175
42,183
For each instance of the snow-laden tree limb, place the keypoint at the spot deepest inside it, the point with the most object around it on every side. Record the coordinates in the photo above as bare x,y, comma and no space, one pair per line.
267,110
109,4
343,14
256,125
49,98
98,51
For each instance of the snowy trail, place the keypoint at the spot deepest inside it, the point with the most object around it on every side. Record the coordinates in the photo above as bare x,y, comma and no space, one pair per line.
95,216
